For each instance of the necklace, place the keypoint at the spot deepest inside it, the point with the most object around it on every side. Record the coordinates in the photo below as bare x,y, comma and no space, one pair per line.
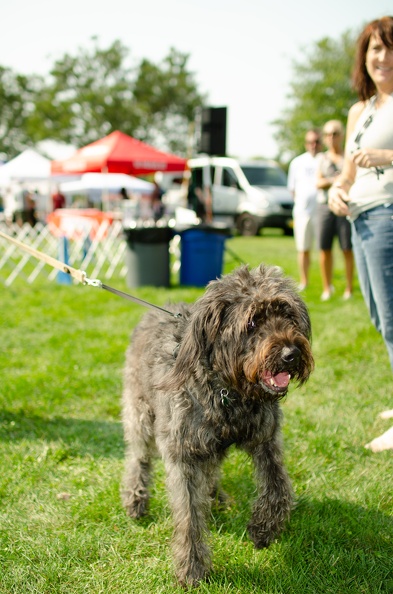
378,170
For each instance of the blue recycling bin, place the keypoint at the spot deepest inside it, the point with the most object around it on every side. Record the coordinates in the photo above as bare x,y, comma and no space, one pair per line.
202,255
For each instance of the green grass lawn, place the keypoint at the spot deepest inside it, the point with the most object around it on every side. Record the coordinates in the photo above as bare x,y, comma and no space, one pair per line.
63,529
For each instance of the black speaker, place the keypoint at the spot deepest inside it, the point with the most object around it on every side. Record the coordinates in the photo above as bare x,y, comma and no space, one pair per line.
212,131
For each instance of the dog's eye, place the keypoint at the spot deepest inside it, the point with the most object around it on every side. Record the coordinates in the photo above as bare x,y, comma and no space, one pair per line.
251,324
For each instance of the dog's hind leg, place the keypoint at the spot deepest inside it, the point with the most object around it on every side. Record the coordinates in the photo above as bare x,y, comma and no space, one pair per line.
275,497
189,491
137,425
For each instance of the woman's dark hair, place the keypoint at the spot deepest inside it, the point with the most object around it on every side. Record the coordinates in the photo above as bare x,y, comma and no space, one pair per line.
362,82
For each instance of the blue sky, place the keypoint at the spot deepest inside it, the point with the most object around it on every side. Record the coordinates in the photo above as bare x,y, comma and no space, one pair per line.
241,51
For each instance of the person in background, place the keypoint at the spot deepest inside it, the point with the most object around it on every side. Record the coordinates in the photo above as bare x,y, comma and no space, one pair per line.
364,189
29,208
330,164
123,194
302,183
58,199
156,201
195,197
10,204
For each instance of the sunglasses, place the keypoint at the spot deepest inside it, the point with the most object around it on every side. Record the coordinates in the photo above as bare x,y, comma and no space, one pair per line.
378,170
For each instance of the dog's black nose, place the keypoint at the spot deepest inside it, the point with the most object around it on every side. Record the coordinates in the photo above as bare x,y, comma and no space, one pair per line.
290,355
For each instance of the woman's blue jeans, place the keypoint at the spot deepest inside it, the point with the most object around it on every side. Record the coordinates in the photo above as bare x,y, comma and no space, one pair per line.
372,241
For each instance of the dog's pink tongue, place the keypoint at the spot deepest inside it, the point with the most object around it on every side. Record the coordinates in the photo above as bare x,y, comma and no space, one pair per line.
282,379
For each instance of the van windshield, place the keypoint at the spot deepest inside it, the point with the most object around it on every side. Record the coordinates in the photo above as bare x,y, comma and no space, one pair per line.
258,175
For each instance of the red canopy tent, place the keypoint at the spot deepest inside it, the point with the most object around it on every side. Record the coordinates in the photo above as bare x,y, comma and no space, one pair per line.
118,153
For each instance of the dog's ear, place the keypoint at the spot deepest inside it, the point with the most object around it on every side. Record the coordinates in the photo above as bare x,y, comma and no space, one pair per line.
199,335
305,318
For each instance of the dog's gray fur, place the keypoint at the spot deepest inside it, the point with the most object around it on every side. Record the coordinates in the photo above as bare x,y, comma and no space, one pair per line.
196,384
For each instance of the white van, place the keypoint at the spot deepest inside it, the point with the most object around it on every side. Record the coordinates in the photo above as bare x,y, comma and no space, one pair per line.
248,196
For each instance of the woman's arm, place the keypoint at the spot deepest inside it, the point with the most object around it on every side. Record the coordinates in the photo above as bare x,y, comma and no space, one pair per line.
323,183
338,193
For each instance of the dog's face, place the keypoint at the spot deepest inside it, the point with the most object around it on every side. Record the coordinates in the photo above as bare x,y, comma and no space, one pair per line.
275,345
252,330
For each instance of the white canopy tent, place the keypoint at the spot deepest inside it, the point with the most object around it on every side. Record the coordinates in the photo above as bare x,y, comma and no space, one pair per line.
91,183
55,149
102,190
29,166
28,171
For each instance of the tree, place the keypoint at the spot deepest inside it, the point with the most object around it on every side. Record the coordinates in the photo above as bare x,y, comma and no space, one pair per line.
17,96
93,93
88,95
168,96
320,91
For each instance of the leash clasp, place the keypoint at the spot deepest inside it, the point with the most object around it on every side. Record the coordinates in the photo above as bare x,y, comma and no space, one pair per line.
91,282
224,396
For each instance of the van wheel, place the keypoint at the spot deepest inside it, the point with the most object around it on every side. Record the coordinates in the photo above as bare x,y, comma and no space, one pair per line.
247,225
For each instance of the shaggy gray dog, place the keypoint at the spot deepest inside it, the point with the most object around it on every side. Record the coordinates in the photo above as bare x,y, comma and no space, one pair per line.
199,382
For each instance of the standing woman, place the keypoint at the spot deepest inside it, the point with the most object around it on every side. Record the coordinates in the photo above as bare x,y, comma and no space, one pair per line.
330,165
364,189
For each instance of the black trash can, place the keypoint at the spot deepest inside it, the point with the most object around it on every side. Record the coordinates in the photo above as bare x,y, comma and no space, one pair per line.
147,256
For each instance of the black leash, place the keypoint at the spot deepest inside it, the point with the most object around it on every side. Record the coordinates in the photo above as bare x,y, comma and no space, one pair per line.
136,299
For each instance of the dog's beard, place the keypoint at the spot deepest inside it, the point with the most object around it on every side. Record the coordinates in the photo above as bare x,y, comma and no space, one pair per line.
267,368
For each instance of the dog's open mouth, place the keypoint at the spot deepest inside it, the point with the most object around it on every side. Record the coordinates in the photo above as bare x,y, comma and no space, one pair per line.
277,383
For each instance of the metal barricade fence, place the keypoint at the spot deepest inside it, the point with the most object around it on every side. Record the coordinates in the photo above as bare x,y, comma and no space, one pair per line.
102,254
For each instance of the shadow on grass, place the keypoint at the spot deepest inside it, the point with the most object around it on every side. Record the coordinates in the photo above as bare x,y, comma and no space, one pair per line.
330,546
81,437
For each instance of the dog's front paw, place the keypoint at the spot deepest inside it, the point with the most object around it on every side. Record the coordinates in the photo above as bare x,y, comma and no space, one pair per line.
260,536
135,506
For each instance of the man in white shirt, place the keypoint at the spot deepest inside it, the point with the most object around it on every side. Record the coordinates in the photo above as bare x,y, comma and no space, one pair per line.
302,183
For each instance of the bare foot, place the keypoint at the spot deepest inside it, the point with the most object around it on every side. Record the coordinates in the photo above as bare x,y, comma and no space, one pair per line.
381,443
386,414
